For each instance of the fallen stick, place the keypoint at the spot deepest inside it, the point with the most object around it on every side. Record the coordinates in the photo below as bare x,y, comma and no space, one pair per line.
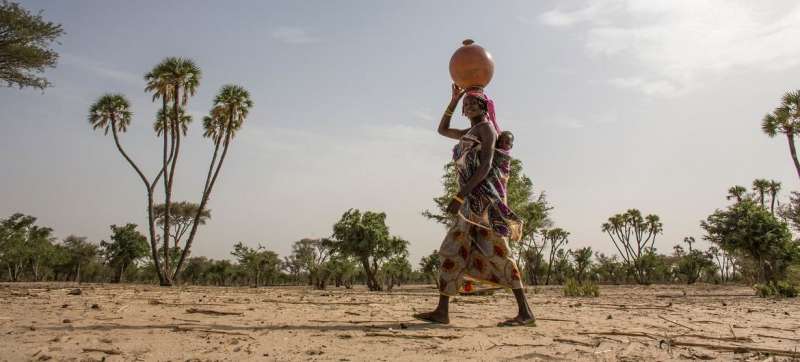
102,350
184,329
410,336
778,337
738,349
702,295
357,322
766,327
516,345
623,306
673,322
617,333
212,312
557,320
317,303
727,339
572,341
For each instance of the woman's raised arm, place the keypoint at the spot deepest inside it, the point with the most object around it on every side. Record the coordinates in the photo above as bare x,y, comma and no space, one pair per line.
444,124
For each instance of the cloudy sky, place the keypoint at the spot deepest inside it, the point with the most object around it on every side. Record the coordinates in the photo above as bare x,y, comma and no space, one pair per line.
654,105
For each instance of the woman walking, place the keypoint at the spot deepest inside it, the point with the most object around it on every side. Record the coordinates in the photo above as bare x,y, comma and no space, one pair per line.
477,244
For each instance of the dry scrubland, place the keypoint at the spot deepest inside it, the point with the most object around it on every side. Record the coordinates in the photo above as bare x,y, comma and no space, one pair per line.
140,322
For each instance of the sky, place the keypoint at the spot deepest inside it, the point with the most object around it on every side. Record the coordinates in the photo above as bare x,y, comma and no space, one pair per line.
654,105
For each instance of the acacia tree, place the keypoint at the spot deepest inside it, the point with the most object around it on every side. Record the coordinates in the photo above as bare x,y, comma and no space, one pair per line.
557,238
396,271
80,252
693,264
751,230
25,41
257,261
634,236
365,236
429,265
126,247
309,256
786,120
182,216
22,244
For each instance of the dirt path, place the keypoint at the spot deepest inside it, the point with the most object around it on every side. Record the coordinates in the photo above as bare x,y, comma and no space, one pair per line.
138,322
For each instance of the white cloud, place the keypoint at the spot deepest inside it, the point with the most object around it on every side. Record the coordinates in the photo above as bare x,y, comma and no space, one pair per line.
674,46
559,18
293,35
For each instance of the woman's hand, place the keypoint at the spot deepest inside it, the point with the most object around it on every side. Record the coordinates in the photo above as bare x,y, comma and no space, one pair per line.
458,92
453,207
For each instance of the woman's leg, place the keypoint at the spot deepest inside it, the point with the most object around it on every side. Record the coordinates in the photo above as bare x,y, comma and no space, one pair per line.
525,313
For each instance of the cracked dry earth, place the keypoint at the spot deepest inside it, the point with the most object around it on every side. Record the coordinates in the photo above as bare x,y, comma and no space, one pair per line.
143,322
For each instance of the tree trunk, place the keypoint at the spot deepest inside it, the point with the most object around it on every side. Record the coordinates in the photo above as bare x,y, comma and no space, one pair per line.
372,283
793,151
149,188
169,127
206,193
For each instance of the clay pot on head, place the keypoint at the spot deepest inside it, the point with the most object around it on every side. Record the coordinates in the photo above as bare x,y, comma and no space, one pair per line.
471,66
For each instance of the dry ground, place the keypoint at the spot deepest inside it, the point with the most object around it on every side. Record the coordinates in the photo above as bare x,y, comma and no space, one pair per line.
141,322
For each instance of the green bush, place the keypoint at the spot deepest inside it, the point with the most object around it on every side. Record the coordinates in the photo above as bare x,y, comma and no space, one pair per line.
574,288
778,289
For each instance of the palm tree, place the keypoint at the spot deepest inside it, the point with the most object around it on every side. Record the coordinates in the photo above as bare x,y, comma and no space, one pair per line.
785,119
112,112
761,186
166,81
736,192
773,187
165,121
231,107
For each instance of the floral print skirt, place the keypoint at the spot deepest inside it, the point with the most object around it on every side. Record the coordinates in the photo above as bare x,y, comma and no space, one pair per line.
478,253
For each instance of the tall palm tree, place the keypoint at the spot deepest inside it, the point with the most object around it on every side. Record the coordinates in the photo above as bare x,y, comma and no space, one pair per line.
736,192
231,107
761,186
773,187
785,119
166,80
112,112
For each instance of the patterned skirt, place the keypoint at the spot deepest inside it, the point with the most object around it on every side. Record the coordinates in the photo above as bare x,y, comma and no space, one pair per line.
476,252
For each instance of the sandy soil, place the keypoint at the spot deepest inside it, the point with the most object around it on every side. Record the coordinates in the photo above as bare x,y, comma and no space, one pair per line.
139,322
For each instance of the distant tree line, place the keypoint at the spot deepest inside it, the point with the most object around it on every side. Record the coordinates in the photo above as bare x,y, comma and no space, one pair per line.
359,251
751,241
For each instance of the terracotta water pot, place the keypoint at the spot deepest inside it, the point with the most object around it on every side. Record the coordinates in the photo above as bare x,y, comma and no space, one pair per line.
471,66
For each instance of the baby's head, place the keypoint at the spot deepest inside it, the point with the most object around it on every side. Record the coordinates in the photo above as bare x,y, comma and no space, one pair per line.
505,141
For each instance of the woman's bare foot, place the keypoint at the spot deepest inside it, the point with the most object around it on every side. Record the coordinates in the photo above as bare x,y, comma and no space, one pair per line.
433,317
520,320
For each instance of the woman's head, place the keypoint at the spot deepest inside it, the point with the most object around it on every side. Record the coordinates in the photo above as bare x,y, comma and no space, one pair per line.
477,105
474,106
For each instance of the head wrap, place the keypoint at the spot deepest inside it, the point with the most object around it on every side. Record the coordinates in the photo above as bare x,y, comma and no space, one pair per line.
489,106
